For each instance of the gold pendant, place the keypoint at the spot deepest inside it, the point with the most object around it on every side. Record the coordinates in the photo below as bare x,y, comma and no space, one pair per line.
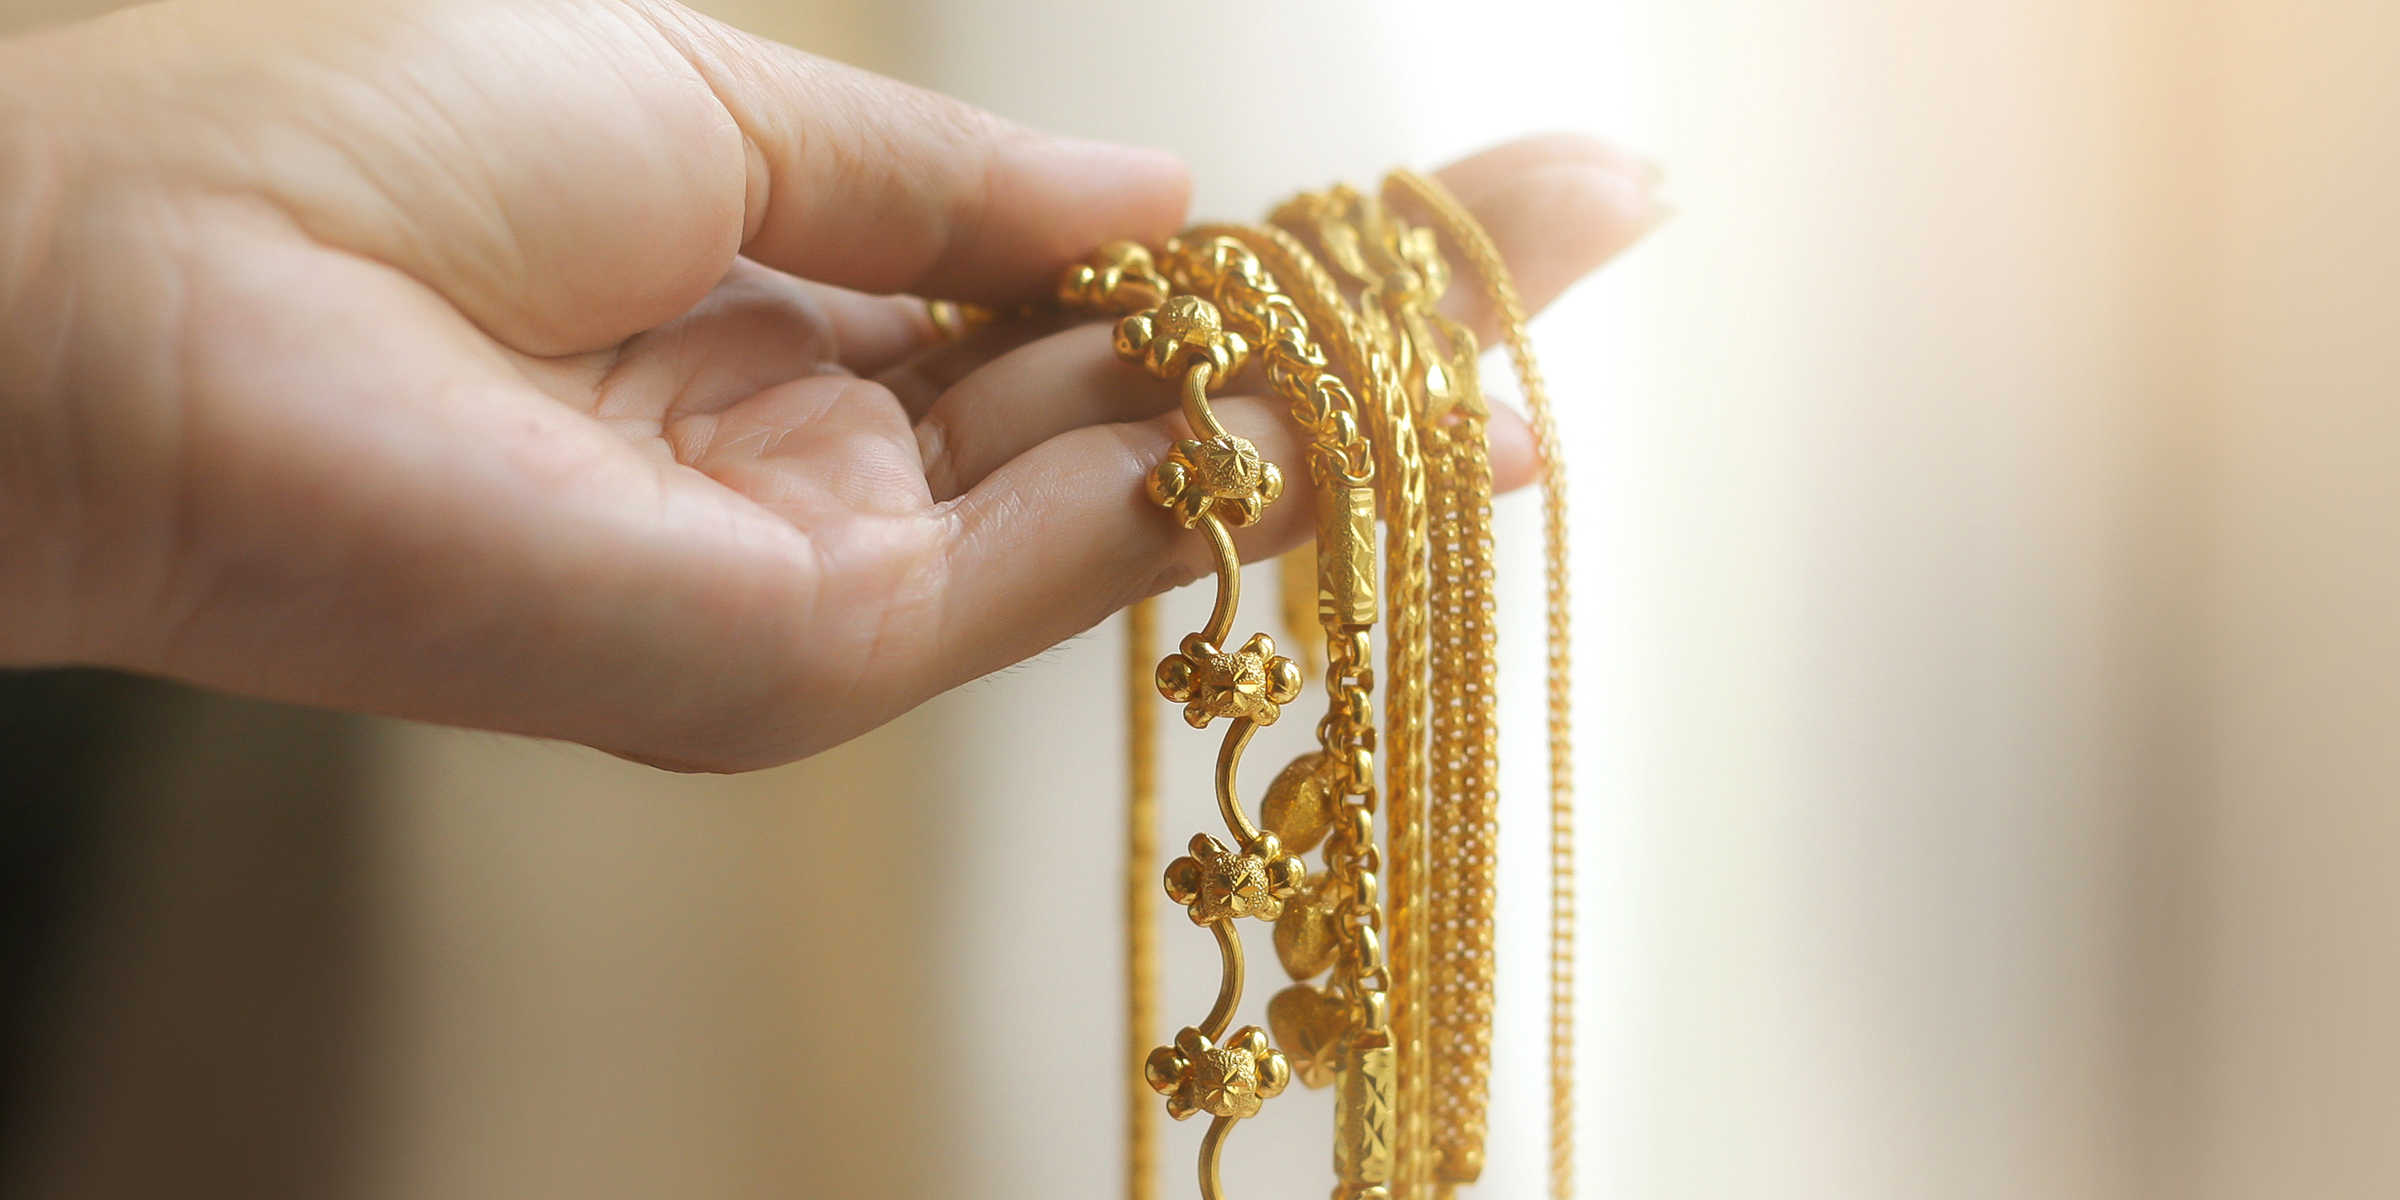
1300,804
1312,1028
1308,934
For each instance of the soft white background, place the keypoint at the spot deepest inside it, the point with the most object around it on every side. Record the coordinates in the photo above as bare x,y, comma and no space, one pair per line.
1988,538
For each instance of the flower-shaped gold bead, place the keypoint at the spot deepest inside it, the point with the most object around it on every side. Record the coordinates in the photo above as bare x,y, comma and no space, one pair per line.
1229,1080
1216,882
1185,330
1224,476
1253,682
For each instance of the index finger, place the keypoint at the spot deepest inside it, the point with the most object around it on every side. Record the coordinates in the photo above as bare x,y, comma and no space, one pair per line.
868,183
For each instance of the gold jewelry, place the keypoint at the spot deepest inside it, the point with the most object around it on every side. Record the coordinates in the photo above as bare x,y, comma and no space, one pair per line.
952,320
1386,389
1345,1030
1401,274
1500,291
1141,937
1212,482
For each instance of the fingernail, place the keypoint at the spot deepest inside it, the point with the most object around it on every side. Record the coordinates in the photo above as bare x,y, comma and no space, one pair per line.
1625,187
1643,180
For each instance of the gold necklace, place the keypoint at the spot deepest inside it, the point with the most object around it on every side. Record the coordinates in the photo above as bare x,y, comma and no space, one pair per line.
1387,391
1500,291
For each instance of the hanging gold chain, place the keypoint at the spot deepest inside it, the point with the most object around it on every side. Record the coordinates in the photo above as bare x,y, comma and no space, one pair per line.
1213,301
1141,933
1462,821
1447,997
1403,1027
1500,291
1358,1045
1351,1042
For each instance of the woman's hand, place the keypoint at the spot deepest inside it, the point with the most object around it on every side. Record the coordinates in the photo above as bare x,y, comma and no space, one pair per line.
534,365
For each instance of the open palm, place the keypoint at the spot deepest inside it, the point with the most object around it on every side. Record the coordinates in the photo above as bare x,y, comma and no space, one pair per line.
541,365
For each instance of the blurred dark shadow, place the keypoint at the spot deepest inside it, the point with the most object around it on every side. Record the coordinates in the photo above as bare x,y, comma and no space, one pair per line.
62,734
182,997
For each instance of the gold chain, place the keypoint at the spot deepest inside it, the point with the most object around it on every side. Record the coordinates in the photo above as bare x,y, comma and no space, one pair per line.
1344,1036
1357,1039
1501,292
1141,935
1396,422
1359,350
1443,833
1447,998
1438,361
1212,481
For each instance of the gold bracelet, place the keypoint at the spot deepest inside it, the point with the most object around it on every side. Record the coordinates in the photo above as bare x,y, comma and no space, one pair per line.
1213,482
1342,1032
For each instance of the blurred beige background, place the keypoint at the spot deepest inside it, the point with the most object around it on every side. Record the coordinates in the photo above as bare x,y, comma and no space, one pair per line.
1990,576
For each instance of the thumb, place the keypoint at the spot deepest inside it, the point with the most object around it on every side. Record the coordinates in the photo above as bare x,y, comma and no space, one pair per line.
868,183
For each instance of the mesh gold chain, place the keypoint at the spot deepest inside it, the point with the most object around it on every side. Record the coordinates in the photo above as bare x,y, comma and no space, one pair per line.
1464,231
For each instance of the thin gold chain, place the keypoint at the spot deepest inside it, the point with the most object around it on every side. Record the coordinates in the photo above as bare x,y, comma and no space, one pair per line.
1141,933
1463,816
1406,275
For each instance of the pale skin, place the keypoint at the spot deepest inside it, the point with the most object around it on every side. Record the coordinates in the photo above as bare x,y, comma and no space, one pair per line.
550,366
